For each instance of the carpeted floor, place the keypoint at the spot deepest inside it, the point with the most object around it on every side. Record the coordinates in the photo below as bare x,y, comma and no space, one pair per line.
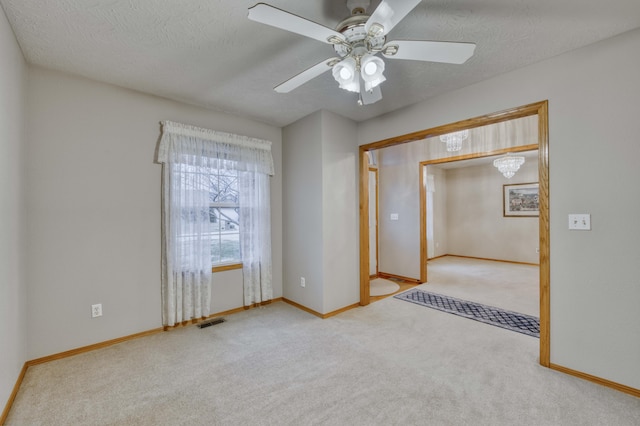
491,315
390,363
382,287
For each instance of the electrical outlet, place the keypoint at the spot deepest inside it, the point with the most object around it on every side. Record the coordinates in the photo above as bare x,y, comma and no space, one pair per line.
96,310
303,282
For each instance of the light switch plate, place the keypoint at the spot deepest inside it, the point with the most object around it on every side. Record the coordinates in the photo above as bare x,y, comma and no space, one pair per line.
580,222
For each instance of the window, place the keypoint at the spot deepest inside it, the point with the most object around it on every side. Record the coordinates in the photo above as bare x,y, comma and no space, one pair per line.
224,215
217,222
212,184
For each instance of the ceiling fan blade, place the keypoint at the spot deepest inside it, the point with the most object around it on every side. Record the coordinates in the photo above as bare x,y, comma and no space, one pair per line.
370,97
390,12
449,52
279,18
306,75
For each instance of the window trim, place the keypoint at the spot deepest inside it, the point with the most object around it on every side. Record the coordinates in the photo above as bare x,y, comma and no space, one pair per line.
227,267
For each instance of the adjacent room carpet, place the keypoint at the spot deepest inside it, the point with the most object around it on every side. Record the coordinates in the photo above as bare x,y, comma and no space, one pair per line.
513,321
381,287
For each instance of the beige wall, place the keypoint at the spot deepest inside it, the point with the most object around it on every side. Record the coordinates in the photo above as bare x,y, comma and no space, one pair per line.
594,151
476,226
93,198
13,303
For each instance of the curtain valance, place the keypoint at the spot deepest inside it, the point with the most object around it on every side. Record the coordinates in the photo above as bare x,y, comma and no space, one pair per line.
226,150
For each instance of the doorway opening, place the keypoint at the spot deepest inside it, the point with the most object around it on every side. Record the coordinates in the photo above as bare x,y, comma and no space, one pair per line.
539,109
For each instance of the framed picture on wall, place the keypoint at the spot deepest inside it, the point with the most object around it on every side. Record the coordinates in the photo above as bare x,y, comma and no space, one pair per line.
521,200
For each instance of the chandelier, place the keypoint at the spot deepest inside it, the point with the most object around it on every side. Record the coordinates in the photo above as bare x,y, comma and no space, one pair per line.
454,140
508,165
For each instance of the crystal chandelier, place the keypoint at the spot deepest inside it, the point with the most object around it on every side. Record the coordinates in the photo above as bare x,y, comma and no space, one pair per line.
454,140
508,164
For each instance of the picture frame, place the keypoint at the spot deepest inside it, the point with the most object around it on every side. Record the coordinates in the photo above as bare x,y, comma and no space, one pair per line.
521,200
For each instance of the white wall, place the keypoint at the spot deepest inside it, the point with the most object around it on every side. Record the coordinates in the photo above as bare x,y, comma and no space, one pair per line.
303,211
476,226
13,304
398,177
321,212
593,150
340,211
93,209
441,222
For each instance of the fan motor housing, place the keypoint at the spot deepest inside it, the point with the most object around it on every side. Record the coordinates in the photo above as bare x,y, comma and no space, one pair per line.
353,29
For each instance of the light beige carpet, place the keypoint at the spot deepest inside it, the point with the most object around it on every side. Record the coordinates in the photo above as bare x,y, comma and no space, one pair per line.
389,363
381,287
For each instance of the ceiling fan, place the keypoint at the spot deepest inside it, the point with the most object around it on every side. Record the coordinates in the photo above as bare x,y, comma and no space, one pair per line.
357,40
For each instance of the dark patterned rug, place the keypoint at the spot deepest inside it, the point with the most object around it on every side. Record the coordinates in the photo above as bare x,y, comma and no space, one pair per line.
514,321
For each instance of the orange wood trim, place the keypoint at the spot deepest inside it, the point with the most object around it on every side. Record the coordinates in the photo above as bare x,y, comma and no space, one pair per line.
12,397
373,277
364,228
438,257
222,313
545,268
474,155
302,307
484,120
93,347
399,277
490,260
604,382
318,314
422,170
226,267
341,310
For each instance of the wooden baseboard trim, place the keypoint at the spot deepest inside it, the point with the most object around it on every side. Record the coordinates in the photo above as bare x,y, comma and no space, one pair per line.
302,307
437,257
220,314
491,260
318,314
12,397
604,382
93,347
341,310
399,277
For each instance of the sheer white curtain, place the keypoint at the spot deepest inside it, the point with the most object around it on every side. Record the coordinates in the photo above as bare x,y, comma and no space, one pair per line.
189,156
255,236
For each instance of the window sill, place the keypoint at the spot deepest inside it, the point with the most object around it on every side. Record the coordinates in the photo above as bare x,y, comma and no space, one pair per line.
228,267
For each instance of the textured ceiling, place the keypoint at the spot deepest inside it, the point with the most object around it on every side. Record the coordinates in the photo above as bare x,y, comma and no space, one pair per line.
206,52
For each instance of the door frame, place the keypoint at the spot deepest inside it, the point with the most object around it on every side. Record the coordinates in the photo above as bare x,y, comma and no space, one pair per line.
541,109
424,253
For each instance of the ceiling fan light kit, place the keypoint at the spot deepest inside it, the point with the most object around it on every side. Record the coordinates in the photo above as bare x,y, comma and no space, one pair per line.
344,72
357,40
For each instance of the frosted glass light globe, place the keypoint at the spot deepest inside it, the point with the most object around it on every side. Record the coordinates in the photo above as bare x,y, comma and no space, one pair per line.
370,68
345,73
